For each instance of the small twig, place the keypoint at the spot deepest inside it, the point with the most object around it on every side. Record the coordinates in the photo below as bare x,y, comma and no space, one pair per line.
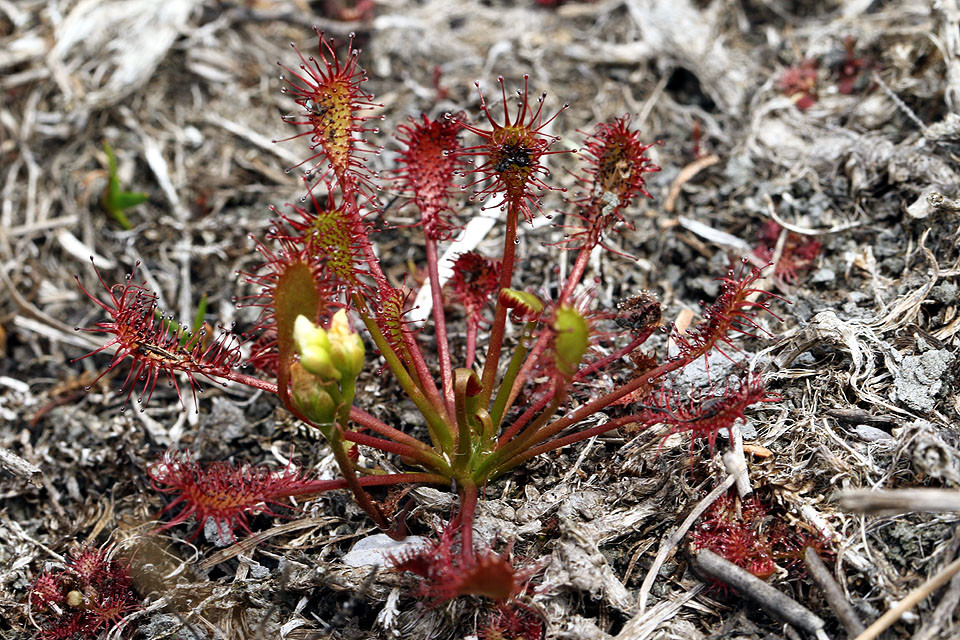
735,462
674,539
778,251
643,624
256,139
576,466
686,174
907,111
913,599
832,592
20,467
790,633
804,231
943,613
856,415
941,616
747,584
899,501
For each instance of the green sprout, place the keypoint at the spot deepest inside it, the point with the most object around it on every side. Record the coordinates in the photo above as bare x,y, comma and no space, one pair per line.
115,200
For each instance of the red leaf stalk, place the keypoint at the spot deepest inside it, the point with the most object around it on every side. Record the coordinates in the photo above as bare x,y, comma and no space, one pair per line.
429,163
511,157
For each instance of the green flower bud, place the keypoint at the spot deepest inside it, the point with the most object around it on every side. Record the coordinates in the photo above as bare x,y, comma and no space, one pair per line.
324,381
346,347
312,397
313,345
571,341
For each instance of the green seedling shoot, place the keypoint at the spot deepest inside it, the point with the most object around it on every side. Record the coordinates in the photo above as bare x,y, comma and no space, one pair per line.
115,200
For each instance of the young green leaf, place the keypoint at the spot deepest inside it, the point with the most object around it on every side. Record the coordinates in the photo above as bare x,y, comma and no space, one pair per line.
115,200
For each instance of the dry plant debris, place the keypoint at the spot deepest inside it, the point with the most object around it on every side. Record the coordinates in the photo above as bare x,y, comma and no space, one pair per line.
863,161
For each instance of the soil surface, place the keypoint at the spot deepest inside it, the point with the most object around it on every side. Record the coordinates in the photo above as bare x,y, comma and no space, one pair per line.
820,136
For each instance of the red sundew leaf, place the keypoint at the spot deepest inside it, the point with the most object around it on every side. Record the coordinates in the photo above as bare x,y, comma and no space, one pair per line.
733,312
704,416
642,363
392,305
428,165
329,91
511,153
100,583
336,236
476,278
512,621
155,344
800,83
226,493
46,591
491,576
613,177
798,253
447,574
747,534
638,313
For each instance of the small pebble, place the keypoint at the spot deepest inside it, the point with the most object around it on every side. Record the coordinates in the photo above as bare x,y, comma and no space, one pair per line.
871,434
379,548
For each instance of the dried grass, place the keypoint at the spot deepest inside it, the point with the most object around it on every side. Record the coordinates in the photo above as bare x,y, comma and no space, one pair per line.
187,94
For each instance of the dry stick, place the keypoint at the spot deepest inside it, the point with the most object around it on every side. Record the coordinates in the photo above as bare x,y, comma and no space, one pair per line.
913,598
668,545
686,174
735,462
833,593
942,614
897,501
747,584
20,467
804,231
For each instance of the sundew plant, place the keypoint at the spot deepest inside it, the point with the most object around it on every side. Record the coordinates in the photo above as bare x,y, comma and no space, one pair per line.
535,370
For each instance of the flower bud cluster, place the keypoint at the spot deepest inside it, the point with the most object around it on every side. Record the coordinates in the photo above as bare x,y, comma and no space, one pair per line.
330,361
